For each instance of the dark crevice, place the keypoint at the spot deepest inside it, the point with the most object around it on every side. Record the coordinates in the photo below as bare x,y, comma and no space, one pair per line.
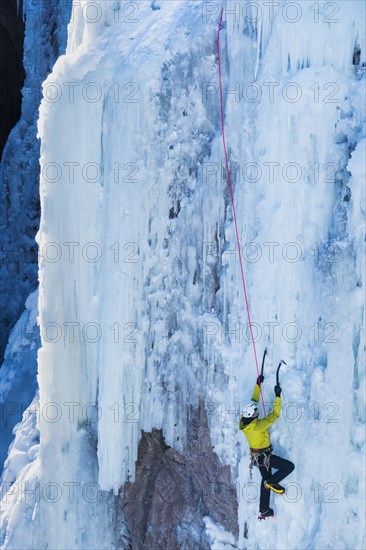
356,55
12,72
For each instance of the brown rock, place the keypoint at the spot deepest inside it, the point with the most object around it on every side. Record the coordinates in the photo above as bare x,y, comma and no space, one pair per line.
165,506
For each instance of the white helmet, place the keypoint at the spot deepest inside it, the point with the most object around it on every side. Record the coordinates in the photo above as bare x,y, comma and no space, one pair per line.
249,409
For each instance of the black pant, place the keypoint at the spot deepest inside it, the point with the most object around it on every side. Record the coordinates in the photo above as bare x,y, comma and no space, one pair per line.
284,468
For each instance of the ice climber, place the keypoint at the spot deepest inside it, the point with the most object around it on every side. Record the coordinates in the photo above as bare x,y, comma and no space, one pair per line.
256,432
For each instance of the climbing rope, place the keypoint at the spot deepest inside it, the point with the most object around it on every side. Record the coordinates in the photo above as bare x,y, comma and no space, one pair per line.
233,204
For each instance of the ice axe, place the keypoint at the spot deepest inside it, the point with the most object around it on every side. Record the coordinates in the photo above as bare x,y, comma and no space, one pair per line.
260,377
264,357
282,362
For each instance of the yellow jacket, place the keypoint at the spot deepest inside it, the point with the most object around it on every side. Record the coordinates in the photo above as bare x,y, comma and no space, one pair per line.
257,431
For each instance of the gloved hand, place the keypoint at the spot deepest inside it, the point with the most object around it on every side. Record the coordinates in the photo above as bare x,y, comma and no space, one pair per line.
277,390
260,379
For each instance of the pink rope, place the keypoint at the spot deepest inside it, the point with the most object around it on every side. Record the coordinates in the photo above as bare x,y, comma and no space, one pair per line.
233,204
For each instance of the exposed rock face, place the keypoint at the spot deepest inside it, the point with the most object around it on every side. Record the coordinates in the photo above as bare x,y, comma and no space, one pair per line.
11,66
165,506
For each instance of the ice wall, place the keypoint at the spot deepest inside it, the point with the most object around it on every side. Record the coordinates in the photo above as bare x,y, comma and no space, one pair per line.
44,40
19,483
144,369
152,297
305,280
141,307
18,375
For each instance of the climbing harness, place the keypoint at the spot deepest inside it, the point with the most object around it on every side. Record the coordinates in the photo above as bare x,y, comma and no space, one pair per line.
260,457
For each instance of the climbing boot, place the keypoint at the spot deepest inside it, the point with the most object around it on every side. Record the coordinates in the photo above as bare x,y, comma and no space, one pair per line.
275,487
266,514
